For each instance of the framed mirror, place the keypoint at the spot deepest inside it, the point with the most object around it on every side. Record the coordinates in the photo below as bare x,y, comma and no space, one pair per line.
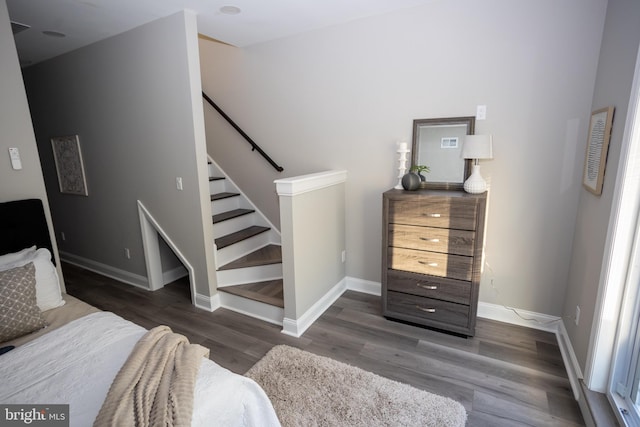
437,143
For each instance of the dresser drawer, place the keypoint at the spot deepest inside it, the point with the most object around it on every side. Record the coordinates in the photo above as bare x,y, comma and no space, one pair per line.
457,291
432,263
459,242
442,212
420,308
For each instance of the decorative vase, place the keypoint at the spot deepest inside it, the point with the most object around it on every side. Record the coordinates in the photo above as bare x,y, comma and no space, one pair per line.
422,177
411,181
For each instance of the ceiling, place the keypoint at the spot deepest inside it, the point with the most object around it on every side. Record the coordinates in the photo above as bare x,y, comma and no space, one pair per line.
75,23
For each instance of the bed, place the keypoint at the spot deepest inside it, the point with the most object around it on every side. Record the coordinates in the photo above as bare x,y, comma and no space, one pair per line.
79,353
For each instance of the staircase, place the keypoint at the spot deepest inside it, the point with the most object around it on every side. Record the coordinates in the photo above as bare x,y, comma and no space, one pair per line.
248,252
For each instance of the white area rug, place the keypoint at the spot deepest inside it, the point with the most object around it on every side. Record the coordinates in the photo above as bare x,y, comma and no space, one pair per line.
309,390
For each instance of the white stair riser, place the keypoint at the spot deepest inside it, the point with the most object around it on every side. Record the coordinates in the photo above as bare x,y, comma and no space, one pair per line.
232,225
232,252
224,205
240,276
217,186
258,310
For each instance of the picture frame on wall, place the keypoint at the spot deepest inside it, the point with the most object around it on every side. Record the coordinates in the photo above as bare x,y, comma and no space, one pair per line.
597,148
69,165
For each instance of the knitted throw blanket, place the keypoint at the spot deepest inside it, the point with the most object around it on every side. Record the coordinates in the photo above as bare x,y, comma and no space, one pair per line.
155,385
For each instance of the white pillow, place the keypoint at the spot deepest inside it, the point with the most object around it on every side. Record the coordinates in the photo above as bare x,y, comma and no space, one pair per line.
48,293
7,260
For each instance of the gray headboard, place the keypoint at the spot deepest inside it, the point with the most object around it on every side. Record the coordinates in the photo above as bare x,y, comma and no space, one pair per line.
23,224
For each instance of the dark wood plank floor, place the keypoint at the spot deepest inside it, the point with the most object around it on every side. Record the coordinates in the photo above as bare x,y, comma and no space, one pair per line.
504,376
269,292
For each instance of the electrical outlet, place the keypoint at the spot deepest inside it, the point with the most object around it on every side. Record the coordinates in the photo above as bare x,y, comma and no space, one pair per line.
179,182
344,256
577,314
481,112
127,253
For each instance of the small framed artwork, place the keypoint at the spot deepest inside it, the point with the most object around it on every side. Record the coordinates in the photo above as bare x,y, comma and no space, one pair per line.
69,165
449,142
597,149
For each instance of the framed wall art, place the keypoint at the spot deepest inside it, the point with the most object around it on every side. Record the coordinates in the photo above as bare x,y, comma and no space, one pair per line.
597,149
69,165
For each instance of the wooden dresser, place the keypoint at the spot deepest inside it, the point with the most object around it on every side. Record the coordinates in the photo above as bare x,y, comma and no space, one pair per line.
432,257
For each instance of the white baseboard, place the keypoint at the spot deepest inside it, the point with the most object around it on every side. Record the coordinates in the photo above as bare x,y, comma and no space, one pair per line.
174,274
530,319
364,286
207,303
106,270
296,327
121,275
570,360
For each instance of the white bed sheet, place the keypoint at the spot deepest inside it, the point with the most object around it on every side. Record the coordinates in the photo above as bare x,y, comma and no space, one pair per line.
76,364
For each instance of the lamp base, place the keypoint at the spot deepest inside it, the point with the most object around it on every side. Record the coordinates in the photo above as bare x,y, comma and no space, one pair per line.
475,184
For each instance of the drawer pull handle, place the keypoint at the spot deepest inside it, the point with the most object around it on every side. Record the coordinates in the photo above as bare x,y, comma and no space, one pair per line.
430,264
426,310
430,240
434,215
429,287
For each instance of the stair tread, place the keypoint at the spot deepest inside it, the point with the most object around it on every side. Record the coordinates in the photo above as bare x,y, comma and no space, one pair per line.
231,214
268,292
216,178
270,254
224,195
238,236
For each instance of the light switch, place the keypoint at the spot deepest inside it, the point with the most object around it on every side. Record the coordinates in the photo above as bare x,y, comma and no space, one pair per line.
179,182
16,163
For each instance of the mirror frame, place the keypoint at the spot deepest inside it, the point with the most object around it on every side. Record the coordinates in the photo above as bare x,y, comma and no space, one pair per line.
470,121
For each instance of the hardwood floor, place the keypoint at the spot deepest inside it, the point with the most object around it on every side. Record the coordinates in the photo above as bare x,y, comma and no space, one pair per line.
270,254
504,376
269,292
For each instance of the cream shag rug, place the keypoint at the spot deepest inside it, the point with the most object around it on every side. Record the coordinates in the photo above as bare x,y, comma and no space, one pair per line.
309,390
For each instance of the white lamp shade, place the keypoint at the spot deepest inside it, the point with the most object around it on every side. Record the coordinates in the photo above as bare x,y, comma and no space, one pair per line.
477,147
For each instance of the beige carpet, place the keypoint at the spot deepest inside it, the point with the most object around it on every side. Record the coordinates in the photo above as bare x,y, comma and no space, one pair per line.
309,390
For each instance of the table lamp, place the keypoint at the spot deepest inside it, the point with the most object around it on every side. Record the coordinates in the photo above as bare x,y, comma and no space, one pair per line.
476,147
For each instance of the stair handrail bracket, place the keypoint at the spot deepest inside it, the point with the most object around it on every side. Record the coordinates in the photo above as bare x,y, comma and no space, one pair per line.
254,145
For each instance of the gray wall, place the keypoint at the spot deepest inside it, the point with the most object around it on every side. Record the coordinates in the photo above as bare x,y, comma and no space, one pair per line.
312,245
17,130
613,86
134,100
341,97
